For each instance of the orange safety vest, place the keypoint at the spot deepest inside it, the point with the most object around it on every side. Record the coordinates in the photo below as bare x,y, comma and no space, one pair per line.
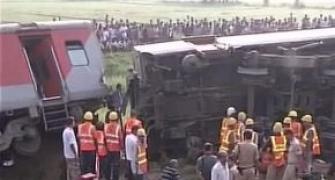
316,143
86,133
113,136
130,123
225,134
238,131
142,158
296,129
101,146
279,147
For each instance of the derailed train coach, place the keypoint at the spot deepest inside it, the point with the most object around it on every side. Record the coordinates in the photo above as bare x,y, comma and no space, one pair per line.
185,86
49,71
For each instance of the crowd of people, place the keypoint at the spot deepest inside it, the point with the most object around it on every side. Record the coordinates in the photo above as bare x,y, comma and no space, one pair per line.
288,154
122,34
103,141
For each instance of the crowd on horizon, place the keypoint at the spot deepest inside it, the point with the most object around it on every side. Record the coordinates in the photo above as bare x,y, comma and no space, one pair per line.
122,34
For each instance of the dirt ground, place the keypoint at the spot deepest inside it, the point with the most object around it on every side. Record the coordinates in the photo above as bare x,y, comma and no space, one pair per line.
48,164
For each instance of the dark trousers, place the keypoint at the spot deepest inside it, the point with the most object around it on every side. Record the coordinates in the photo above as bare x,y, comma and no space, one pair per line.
113,165
103,170
87,162
139,177
129,173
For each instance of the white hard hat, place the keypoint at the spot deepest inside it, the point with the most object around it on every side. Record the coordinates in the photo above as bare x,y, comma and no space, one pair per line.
249,121
292,114
88,115
231,111
307,118
113,116
278,127
287,120
242,116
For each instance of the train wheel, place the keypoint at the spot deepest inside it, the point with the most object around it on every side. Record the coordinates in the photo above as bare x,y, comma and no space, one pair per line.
28,144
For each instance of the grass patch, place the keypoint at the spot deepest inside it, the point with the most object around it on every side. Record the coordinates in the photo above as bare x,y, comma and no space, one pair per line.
116,66
142,11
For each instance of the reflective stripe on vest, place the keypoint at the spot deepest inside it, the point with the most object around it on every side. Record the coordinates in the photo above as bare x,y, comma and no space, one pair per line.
316,143
86,138
297,129
142,159
238,131
112,131
279,146
102,151
225,139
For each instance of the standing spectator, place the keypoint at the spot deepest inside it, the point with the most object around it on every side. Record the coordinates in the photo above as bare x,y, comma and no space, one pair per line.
101,150
70,151
171,172
220,170
86,134
117,98
101,113
206,162
142,161
131,153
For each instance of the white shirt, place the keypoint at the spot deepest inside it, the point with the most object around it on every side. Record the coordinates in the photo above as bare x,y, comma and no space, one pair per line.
68,139
131,147
220,172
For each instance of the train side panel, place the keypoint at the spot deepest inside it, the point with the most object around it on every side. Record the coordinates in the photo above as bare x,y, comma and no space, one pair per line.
16,85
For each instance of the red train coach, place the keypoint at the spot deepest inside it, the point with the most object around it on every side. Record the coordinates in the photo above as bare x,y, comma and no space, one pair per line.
49,71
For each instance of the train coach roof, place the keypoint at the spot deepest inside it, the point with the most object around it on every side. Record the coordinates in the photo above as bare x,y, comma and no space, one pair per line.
174,47
165,48
13,27
276,38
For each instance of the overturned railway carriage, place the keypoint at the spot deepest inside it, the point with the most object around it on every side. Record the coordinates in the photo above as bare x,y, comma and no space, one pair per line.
185,86
49,71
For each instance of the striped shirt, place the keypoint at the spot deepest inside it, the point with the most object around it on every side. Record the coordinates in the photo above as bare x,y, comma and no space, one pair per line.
170,173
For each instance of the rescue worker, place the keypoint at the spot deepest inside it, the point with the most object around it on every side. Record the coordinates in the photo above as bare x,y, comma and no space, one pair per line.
114,143
295,125
293,156
287,123
249,125
86,134
132,121
230,112
228,137
247,157
240,127
310,142
101,150
142,161
277,146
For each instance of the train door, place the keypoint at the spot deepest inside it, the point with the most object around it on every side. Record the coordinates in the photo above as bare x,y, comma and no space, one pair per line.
39,52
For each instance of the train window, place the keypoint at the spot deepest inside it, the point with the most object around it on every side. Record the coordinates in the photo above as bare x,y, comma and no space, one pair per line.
76,53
